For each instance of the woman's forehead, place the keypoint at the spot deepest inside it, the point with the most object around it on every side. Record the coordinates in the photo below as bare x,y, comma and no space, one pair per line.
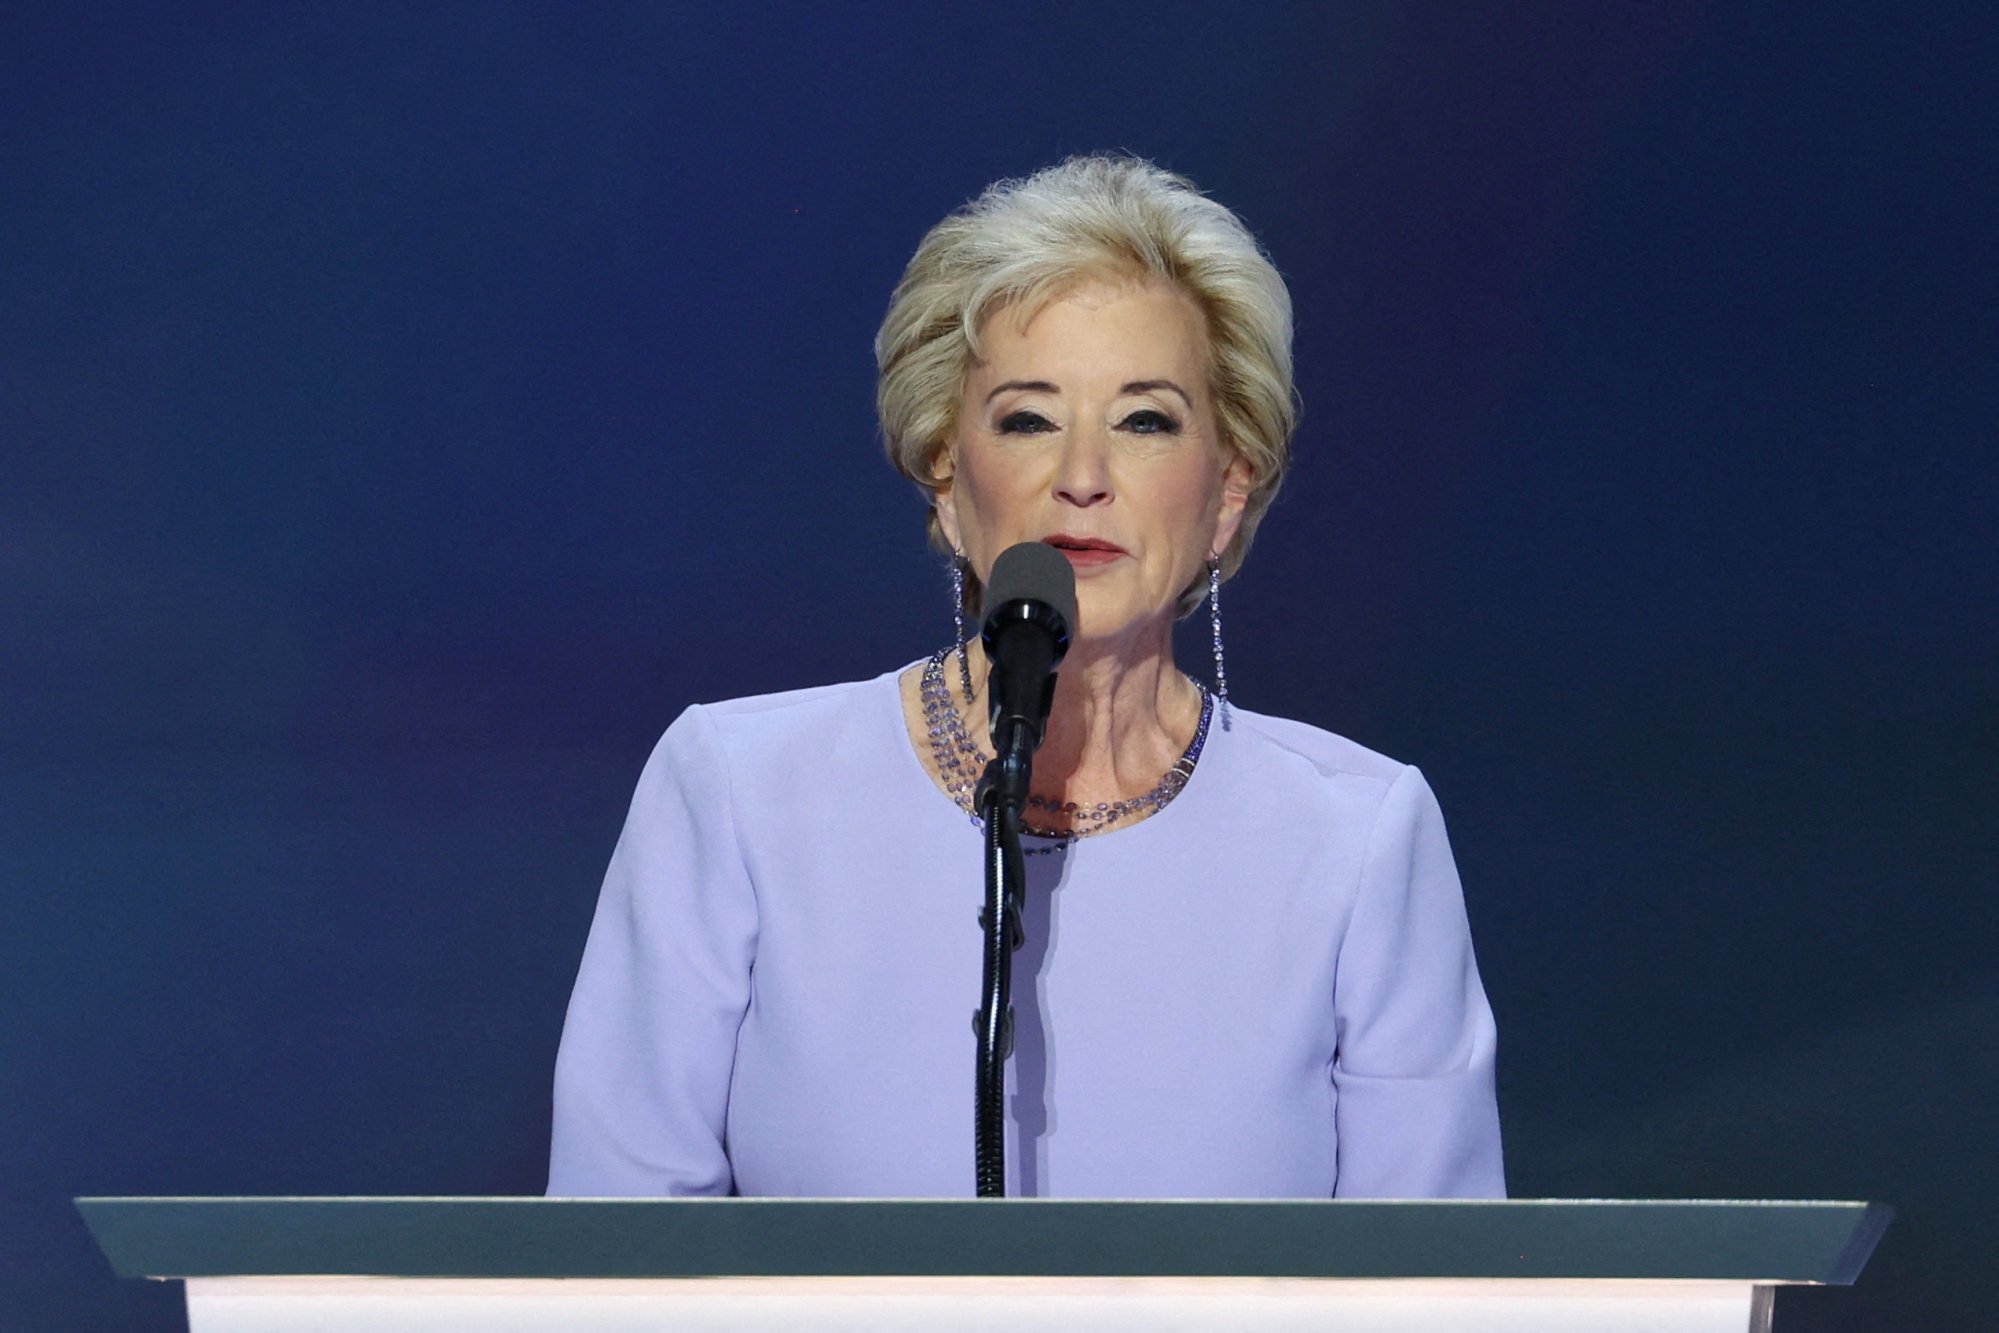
1112,326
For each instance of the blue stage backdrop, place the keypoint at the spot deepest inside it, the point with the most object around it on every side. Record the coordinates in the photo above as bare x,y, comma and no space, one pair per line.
408,409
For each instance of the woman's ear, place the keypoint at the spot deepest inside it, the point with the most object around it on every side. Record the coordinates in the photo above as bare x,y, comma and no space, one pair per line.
1235,498
944,499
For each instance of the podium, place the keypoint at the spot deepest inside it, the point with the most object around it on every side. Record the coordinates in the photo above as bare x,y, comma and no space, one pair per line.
597,1265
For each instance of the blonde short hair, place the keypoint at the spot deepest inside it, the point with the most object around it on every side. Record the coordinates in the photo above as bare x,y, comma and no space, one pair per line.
1024,241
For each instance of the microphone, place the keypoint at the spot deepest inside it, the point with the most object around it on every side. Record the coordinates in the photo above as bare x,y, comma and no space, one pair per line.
1030,614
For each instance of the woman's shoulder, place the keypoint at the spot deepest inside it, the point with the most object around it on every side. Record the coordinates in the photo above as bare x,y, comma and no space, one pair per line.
796,707
1321,778
788,723
1292,745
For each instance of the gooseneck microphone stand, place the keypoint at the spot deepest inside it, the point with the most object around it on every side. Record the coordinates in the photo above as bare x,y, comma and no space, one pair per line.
1032,593
1001,794
1000,918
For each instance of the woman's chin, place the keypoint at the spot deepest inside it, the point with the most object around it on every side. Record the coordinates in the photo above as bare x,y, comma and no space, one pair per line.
1106,630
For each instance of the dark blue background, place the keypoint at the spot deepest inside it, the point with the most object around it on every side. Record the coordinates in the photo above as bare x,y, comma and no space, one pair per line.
406,410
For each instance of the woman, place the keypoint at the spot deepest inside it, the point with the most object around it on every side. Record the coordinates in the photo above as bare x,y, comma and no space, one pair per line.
1248,971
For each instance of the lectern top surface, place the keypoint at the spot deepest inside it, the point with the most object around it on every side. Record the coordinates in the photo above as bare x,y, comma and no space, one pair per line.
1757,1241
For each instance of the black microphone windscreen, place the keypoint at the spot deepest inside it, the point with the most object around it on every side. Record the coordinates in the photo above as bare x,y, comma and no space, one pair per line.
1034,572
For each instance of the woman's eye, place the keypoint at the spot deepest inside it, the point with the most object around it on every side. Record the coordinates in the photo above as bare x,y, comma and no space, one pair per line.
1024,422
1151,421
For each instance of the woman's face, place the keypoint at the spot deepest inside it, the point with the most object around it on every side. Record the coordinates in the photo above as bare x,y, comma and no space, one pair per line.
1089,426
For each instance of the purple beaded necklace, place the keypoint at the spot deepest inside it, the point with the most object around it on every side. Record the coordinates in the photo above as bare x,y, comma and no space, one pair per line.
961,760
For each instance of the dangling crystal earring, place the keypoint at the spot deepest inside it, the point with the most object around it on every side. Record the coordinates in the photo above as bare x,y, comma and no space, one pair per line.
958,623
1215,622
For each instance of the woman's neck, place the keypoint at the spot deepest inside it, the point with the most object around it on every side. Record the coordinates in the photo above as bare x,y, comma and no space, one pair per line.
1123,715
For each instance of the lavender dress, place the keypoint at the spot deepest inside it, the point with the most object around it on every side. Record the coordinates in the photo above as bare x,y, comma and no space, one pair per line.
1266,989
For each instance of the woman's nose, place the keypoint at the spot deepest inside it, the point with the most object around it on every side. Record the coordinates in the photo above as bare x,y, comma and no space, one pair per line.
1084,478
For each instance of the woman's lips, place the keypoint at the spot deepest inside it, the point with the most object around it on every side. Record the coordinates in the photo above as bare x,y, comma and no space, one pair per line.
1085,552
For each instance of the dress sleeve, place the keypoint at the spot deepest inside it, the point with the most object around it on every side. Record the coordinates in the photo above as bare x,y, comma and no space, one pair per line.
649,1044
1414,1105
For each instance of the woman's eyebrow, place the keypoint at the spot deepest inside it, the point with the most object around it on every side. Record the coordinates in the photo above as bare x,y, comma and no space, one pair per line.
1033,386
1136,386
1147,386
